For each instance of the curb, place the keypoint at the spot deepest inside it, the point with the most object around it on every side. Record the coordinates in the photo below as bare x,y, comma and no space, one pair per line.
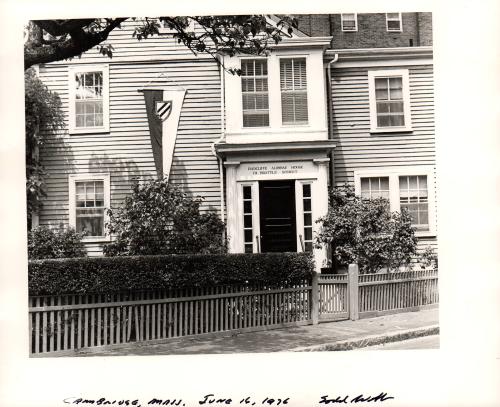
371,340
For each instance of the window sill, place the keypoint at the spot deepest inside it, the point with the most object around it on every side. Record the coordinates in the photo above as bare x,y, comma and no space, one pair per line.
291,125
391,130
425,233
89,130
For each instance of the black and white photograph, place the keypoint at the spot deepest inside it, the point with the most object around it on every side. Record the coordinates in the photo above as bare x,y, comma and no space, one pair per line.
269,209
233,183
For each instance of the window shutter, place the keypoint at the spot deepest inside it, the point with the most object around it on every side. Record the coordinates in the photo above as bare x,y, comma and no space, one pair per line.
293,82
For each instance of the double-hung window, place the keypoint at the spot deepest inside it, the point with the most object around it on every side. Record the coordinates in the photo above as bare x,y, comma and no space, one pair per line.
414,196
89,198
389,100
394,22
255,92
89,99
349,21
410,188
293,84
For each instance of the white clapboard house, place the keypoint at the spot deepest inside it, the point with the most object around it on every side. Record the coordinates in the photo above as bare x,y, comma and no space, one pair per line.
260,148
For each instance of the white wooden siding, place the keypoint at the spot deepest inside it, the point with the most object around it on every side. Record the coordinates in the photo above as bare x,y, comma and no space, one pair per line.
128,49
125,152
357,148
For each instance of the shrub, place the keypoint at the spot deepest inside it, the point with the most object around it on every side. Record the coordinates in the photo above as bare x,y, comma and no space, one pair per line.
365,232
428,258
114,274
43,115
45,243
158,218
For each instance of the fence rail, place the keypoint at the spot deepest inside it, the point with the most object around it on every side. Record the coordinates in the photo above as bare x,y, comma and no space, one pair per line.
69,322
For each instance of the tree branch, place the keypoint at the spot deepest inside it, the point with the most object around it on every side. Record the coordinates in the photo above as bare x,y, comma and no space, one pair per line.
78,42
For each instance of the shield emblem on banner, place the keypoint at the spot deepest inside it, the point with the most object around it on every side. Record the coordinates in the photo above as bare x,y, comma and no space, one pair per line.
163,109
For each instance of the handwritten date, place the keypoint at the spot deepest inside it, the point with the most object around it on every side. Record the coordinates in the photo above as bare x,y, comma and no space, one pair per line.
268,401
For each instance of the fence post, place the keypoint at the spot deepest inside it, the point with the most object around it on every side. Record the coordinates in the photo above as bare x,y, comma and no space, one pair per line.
353,292
315,298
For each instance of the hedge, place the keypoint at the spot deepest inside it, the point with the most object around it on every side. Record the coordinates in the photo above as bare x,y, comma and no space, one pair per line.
95,275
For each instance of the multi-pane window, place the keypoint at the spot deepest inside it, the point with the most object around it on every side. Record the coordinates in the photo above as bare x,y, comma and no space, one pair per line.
293,83
308,224
390,104
255,93
88,99
375,187
404,188
247,219
89,207
393,22
414,196
349,22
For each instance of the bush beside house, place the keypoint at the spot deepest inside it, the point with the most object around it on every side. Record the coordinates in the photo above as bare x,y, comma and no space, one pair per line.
45,243
364,231
159,218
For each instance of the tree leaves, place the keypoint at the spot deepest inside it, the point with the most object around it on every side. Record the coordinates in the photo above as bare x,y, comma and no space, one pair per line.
216,36
158,218
43,114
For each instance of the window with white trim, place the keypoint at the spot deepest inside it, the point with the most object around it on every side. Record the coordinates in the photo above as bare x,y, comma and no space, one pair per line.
389,100
394,22
89,99
414,196
255,93
410,189
293,84
89,198
349,21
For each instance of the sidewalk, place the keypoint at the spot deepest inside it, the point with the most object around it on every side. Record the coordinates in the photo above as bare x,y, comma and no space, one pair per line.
339,335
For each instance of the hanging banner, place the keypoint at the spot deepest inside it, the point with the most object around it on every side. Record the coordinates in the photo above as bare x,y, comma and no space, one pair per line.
154,99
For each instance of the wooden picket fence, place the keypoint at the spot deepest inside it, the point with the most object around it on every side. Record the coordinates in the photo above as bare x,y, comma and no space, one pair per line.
354,296
66,323
69,322
387,293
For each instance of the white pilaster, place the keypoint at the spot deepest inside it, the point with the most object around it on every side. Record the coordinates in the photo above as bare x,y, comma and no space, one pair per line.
320,206
233,223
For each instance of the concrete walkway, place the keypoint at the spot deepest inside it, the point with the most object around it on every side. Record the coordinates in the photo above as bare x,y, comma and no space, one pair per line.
341,335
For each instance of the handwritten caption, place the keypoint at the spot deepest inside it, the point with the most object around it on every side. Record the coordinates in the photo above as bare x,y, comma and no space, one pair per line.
217,401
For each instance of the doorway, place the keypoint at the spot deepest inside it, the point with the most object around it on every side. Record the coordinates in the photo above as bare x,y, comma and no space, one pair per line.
277,216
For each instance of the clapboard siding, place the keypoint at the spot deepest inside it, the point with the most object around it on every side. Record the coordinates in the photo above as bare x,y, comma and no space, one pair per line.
357,149
126,48
125,152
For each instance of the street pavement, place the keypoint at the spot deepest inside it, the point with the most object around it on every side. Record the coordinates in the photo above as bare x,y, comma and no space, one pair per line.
340,335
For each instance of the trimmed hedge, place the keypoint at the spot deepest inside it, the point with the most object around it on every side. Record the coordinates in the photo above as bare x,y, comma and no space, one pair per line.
114,274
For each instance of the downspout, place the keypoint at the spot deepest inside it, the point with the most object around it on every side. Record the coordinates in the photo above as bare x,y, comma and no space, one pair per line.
330,115
331,247
220,140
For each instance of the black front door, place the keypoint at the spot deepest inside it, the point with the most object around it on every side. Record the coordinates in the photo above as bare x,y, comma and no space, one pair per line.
277,216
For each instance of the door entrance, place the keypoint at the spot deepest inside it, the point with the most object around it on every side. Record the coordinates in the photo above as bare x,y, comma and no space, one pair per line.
277,216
